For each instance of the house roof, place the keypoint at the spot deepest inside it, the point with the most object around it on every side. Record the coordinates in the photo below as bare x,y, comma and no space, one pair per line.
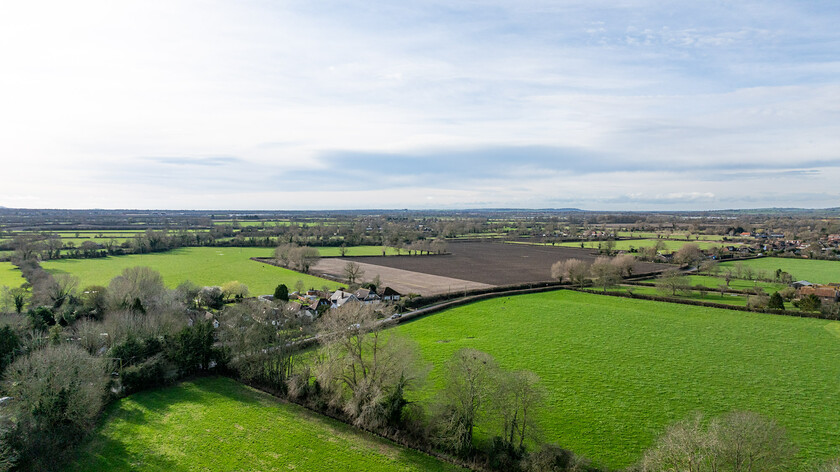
339,294
351,298
364,294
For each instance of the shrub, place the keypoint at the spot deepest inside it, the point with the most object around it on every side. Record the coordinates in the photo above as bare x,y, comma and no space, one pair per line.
59,392
281,293
776,302
148,374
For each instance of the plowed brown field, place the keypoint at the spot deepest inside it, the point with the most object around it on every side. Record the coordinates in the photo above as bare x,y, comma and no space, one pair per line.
493,263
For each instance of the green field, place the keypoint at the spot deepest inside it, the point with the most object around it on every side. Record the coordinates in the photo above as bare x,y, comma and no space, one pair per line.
619,370
10,275
202,265
711,297
734,284
670,245
814,271
679,236
219,424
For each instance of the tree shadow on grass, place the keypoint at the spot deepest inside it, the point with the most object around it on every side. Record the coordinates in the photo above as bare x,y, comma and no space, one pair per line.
160,401
108,454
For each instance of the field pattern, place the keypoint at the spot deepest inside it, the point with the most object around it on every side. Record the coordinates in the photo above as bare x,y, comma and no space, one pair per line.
10,276
219,424
619,370
202,265
814,271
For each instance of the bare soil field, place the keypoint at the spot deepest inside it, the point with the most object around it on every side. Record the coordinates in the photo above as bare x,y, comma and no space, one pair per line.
403,281
489,263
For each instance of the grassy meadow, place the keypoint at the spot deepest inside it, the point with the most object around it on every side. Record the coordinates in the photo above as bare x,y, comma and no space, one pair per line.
711,296
219,424
202,265
10,276
713,283
618,370
801,269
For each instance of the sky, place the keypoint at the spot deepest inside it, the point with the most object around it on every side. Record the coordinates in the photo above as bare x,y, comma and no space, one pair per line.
306,105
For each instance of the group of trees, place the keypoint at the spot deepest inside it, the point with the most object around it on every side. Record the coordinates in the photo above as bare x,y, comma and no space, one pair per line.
299,258
57,358
436,246
365,374
738,441
478,389
604,271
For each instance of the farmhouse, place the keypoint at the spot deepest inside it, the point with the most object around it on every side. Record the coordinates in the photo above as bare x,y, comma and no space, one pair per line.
390,295
366,296
340,297
826,293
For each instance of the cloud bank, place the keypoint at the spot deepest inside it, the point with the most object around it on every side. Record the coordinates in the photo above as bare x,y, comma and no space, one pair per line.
315,105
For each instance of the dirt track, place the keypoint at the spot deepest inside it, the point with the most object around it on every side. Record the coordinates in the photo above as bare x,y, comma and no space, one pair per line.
400,280
485,263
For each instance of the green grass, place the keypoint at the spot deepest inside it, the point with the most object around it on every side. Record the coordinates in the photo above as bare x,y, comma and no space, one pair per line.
78,241
219,424
619,370
734,284
801,269
711,296
670,245
202,265
10,275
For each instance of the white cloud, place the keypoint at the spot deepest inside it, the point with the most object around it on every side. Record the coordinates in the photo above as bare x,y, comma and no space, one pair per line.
91,90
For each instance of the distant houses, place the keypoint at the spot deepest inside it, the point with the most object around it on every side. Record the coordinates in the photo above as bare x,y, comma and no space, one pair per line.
314,302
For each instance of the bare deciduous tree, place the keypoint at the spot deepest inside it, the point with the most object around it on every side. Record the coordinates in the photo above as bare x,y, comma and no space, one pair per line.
137,288
304,257
518,395
471,376
624,263
605,273
573,270
353,272
672,281
689,254
283,254
745,441
365,369
737,442
260,338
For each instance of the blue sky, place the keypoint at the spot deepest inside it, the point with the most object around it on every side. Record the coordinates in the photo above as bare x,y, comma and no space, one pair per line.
626,105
